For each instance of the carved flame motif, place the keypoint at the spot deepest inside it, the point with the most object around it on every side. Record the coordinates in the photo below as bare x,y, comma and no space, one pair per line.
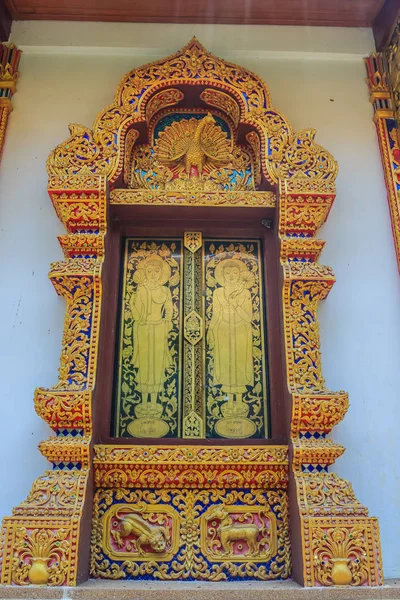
193,146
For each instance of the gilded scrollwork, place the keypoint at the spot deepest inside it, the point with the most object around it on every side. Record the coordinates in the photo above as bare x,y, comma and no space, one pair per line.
185,523
79,150
302,334
304,249
242,97
255,143
160,100
328,491
193,240
193,198
318,412
74,361
67,449
326,503
193,422
64,410
40,539
304,156
191,467
301,210
322,452
246,455
4,112
56,493
49,520
81,245
223,101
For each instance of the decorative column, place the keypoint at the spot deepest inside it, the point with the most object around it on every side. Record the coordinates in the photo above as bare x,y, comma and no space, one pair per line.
334,542
9,60
41,541
384,118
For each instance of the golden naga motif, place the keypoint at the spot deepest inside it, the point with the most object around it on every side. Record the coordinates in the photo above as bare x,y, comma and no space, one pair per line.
193,145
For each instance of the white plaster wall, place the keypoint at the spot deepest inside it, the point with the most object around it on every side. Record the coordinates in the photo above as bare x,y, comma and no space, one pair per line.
69,72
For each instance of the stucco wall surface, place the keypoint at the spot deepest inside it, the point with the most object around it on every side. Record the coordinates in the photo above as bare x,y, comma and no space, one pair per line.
69,72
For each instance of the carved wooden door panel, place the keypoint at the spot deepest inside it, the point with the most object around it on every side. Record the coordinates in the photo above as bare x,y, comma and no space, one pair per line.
191,358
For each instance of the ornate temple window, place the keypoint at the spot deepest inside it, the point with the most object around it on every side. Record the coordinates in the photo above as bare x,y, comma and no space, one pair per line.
191,408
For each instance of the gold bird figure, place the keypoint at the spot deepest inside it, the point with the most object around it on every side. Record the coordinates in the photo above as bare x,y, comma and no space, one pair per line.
193,143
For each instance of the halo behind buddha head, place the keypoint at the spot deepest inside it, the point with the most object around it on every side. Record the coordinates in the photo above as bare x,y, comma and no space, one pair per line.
165,275
229,262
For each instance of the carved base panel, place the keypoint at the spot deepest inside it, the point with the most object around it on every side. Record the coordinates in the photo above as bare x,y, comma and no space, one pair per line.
345,551
40,541
171,534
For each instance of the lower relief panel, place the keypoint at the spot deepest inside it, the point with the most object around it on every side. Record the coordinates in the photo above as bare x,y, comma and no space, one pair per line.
212,535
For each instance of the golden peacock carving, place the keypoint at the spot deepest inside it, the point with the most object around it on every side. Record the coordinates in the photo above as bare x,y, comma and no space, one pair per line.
192,143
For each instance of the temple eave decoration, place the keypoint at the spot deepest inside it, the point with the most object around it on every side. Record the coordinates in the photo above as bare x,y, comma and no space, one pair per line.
383,85
9,61
202,513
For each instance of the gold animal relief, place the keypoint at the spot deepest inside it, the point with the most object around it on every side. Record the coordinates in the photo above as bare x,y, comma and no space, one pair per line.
142,531
191,151
190,534
193,145
237,532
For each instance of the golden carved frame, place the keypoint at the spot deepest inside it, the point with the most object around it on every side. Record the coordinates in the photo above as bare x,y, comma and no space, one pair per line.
333,538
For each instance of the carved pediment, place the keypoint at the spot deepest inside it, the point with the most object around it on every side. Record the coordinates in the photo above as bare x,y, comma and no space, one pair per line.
262,147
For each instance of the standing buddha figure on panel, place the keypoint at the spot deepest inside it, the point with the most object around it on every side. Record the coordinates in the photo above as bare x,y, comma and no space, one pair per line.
147,392
229,334
151,309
